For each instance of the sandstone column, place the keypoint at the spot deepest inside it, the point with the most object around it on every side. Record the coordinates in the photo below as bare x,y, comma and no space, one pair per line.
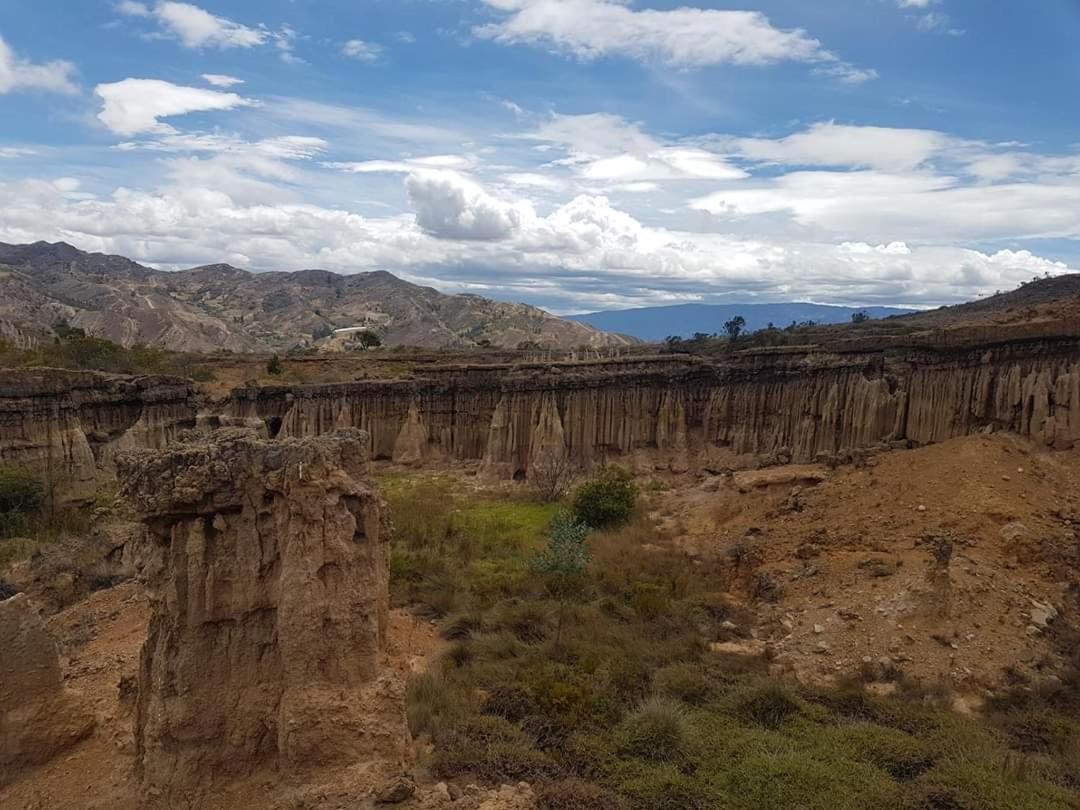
269,608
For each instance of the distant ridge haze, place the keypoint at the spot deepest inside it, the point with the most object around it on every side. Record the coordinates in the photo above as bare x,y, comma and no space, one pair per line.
683,320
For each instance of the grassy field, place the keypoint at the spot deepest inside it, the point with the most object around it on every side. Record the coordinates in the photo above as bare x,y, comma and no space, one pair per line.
630,709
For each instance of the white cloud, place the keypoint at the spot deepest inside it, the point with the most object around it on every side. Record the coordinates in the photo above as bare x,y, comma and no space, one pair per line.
451,206
133,106
604,147
195,27
915,3
221,80
21,74
683,37
831,144
133,8
403,166
920,206
13,152
585,254
363,51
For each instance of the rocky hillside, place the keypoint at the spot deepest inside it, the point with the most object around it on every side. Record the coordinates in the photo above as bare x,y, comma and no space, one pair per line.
222,307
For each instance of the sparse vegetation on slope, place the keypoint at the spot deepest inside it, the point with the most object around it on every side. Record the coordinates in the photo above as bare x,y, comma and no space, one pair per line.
630,707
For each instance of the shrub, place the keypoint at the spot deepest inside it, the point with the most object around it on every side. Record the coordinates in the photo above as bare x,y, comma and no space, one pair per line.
658,730
274,366
575,794
490,748
768,706
606,501
686,682
552,475
20,491
433,703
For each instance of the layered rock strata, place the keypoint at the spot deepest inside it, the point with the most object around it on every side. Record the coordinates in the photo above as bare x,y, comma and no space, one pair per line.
39,718
689,413
68,426
269,608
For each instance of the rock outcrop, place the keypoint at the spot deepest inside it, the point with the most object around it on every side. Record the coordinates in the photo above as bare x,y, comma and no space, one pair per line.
269,610
39,718
68,426
687,413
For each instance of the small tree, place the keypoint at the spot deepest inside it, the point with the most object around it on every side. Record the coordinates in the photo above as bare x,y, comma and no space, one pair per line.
859,317
552,475
274,366
607,500
369,340
21,494
563,562
734,328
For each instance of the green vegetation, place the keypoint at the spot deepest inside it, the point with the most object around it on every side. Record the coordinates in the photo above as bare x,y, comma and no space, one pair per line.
606,501
274,366
21,496
734,328
630,709
27,521
72,348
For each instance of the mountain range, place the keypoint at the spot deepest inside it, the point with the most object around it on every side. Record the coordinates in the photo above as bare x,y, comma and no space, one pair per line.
683,320
218,307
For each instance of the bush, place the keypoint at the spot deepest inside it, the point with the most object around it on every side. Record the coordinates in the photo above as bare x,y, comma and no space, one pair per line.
658,731
607,501
768,707
575,794
433,703
20,491
274,366
686,682
490,748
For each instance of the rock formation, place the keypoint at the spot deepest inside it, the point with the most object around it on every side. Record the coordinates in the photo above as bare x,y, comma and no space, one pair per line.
687,413
68,426
39,718
269,609
675,412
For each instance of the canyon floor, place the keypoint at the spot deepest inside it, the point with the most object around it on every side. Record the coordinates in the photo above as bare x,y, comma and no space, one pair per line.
895,633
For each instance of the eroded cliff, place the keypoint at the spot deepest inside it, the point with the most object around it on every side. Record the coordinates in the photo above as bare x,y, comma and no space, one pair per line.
269,607
684,413
68,426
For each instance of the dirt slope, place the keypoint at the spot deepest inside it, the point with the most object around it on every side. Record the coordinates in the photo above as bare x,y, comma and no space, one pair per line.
851,570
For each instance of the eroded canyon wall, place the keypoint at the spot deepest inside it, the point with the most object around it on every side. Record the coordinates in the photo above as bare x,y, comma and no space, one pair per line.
68,426
269,594
673,412
689,413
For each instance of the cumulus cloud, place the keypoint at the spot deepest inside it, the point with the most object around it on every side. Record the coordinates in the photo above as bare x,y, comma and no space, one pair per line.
134,106
682,37
22,74
451,206
221,80
362,51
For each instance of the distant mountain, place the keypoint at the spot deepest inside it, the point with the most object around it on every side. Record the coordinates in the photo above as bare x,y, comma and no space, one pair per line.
221,307
683,320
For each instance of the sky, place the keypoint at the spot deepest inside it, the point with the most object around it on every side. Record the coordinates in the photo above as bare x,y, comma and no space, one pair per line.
572,154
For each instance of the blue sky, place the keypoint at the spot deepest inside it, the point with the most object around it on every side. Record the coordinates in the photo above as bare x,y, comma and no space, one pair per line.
575,154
